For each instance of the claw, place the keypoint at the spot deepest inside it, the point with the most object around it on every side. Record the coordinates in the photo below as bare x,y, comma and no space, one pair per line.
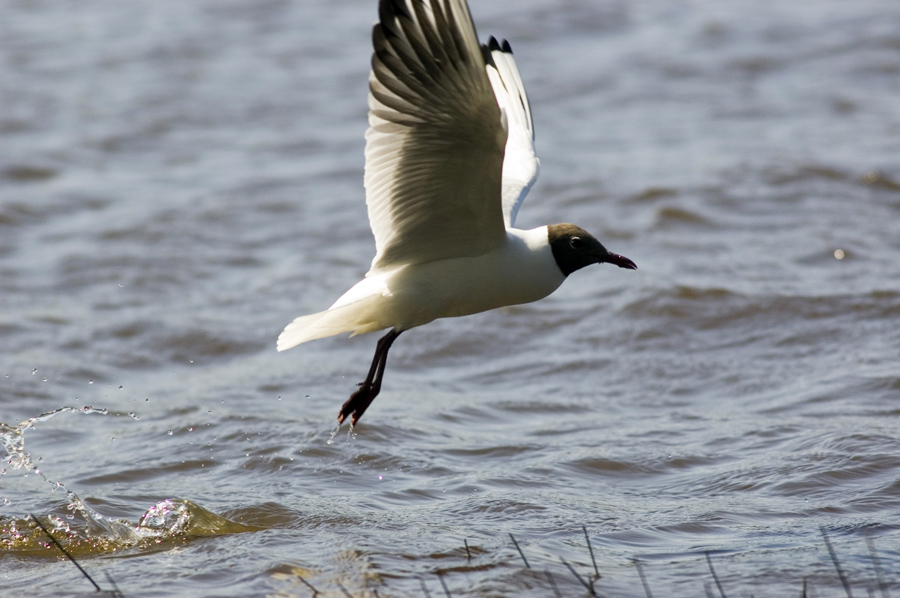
369,388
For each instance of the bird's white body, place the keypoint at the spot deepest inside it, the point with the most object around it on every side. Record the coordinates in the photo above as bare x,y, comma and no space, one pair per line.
521,271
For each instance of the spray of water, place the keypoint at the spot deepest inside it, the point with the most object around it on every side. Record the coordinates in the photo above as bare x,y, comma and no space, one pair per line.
168,519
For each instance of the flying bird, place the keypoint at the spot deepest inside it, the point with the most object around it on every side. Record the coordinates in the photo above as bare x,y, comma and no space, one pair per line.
449,159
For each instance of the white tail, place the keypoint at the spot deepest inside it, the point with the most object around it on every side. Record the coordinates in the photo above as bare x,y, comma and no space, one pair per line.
355,318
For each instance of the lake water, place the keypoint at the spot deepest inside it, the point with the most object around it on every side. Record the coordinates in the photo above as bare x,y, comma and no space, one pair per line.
179,180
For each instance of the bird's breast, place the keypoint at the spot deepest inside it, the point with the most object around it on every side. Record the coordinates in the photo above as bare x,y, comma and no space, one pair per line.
521,271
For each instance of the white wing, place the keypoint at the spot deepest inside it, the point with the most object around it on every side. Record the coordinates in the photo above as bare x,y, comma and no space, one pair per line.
520,165
434,147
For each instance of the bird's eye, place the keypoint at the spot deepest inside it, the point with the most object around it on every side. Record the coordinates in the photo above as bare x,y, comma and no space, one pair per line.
575,243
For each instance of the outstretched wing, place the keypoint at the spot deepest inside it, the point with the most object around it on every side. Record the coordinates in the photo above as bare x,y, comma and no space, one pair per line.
434,147
520,164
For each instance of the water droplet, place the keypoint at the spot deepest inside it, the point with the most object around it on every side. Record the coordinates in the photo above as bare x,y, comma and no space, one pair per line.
170,431
191,429
838,254
90,381
34,371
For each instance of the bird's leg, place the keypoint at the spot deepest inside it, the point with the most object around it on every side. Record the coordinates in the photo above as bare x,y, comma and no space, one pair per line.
360,400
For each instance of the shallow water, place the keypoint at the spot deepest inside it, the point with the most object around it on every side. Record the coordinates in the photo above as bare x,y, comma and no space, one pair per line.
180,180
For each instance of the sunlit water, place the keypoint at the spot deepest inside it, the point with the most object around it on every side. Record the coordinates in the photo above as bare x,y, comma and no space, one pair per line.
178,180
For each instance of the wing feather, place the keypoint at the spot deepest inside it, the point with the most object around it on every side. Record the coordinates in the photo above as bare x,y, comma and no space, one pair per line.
520,164
436,137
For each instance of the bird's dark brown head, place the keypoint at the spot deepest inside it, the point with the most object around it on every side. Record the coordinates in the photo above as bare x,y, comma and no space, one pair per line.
574,248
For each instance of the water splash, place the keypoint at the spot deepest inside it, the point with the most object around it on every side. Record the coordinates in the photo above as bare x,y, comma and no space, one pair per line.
84,531
170,518
351,433
334,431
168,521
12,438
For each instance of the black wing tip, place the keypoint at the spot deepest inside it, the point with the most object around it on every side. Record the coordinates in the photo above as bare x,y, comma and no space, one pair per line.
388,9
487,48
389,13
498,46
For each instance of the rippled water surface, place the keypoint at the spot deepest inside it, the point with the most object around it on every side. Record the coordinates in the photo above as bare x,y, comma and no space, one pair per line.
180,180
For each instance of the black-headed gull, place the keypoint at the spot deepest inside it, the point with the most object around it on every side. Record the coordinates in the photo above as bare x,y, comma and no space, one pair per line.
449,159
